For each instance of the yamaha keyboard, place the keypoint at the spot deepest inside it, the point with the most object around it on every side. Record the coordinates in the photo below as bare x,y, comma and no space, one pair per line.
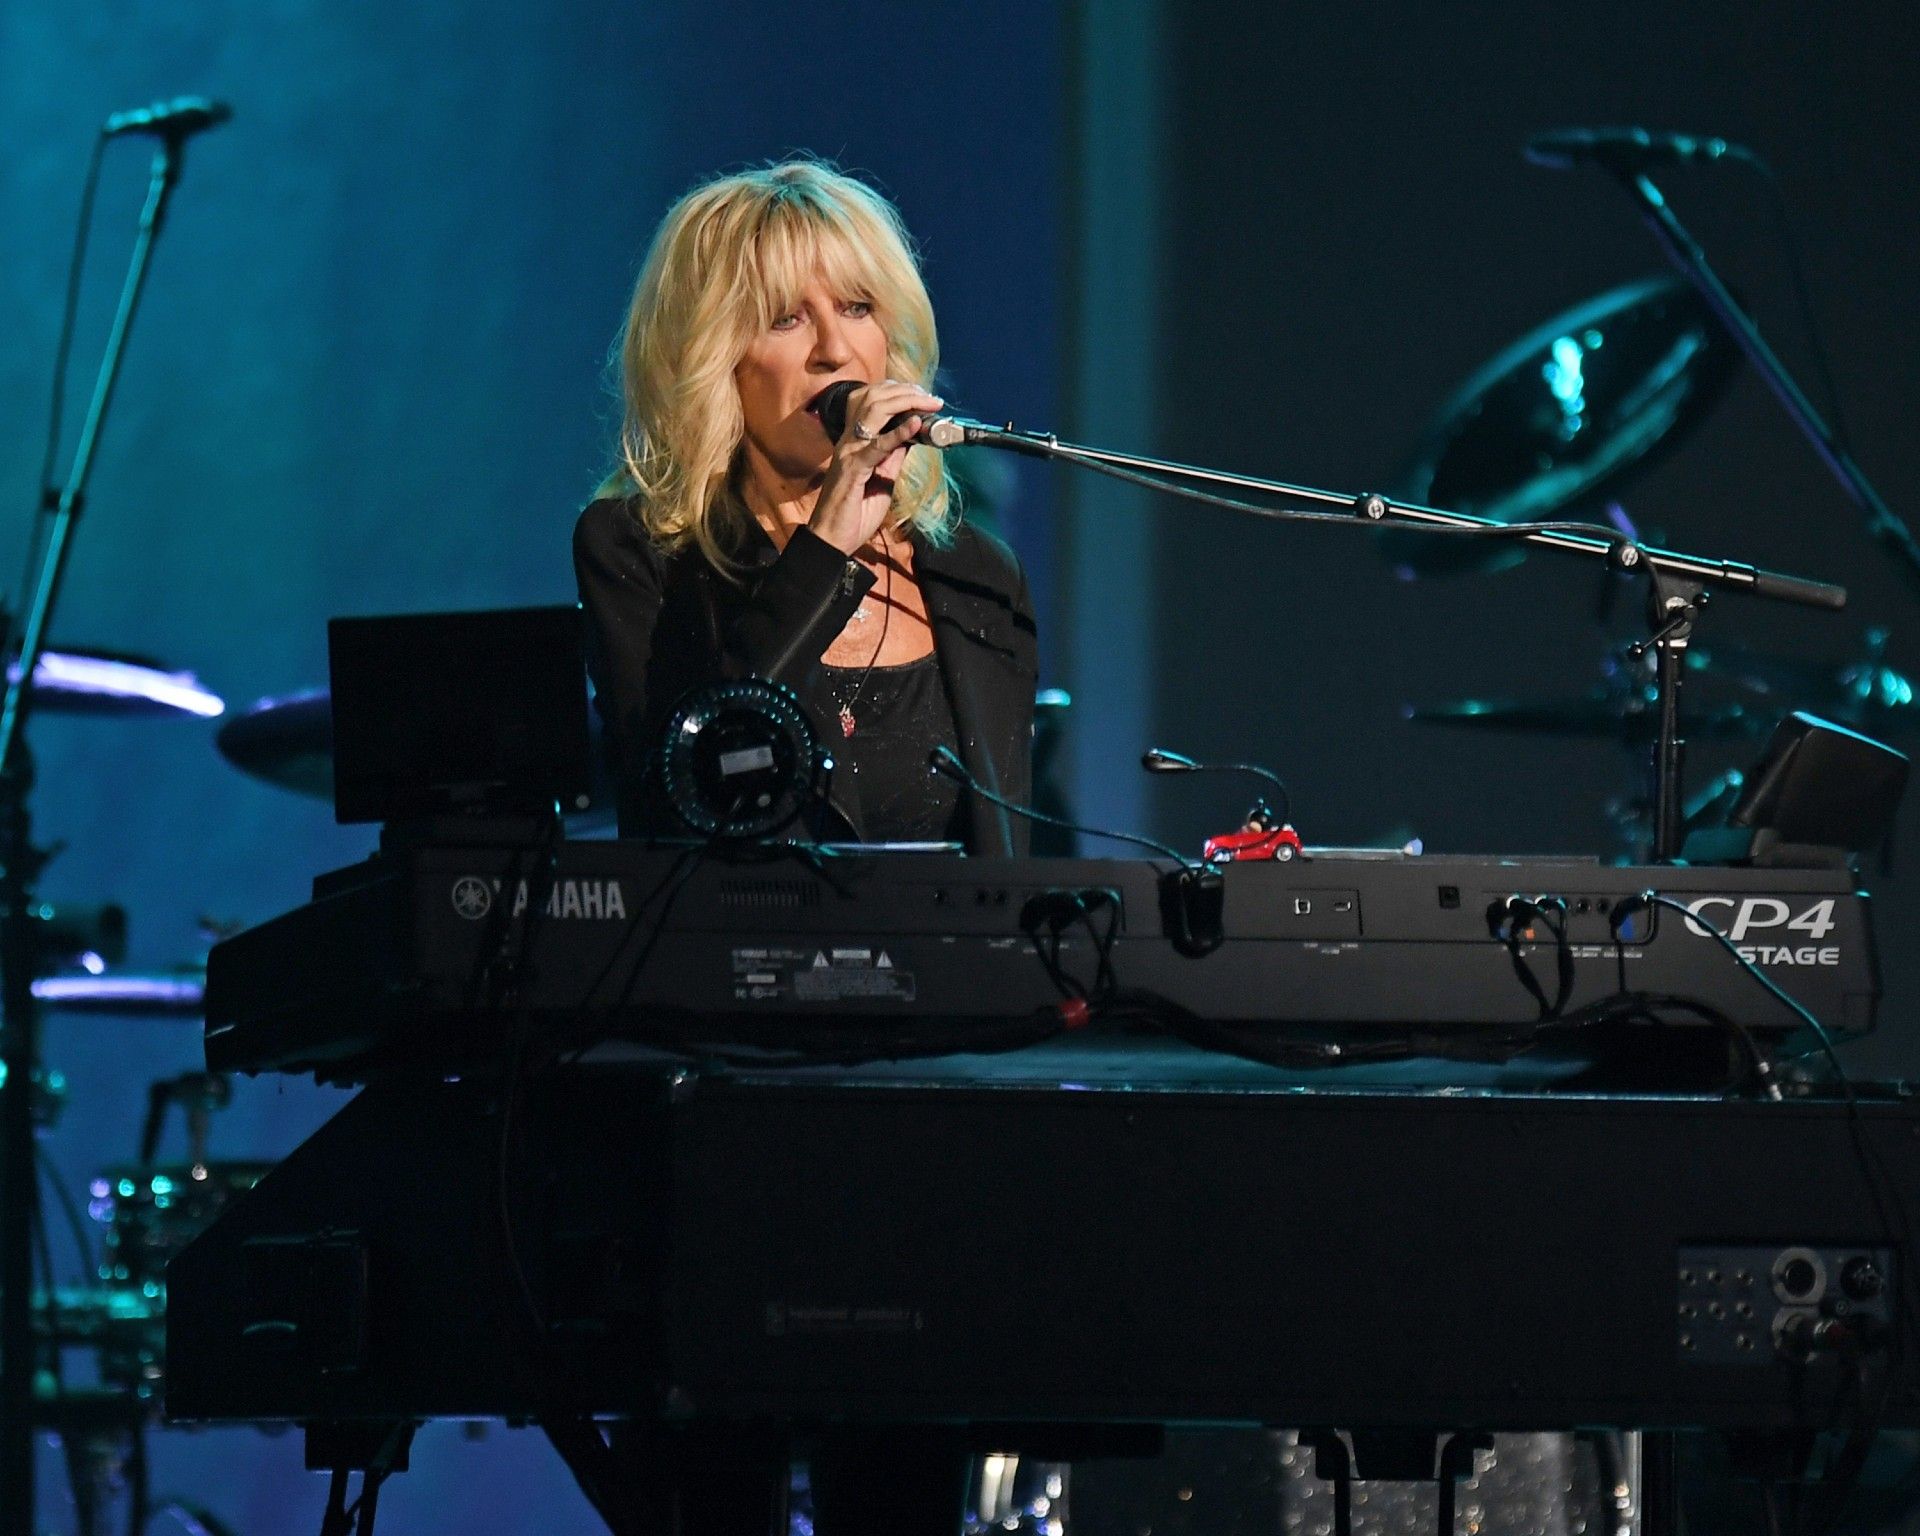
434,956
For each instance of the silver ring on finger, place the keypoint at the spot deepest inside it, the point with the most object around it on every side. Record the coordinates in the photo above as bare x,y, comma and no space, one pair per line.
865,433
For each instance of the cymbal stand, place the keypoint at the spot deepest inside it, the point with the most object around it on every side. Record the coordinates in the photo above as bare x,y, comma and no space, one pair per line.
20,865
1679,582
1684,252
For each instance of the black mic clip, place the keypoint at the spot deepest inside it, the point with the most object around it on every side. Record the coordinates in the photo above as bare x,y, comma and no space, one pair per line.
1193,906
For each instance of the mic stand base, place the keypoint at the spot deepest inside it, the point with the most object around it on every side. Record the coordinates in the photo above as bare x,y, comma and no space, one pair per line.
1673,608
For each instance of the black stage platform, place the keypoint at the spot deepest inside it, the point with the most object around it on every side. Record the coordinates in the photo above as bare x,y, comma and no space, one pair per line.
1113,1233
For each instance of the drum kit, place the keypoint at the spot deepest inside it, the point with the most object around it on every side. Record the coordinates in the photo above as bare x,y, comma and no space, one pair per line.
140,1213
1555,426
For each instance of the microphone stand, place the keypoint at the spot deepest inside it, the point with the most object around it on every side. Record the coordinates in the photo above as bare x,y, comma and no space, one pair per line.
20,865
1679,584
1684,252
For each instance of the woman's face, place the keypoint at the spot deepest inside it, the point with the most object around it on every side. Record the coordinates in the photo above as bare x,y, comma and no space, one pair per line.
825,337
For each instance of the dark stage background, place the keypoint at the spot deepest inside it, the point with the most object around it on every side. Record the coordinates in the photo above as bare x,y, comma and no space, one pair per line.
1349,231
368,378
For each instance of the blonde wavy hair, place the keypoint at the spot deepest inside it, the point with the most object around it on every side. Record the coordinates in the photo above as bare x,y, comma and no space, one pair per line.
730,258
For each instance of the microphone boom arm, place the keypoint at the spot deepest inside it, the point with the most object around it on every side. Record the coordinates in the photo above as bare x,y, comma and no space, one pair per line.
1589,539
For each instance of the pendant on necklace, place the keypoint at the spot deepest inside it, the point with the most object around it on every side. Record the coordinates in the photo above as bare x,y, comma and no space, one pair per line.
846,721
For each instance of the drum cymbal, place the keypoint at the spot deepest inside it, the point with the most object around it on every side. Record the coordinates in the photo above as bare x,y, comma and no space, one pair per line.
166,994
1561,417
70,682
286,741
1862,691
1602,713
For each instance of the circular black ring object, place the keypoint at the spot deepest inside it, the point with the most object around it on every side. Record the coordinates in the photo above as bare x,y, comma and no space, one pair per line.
740,759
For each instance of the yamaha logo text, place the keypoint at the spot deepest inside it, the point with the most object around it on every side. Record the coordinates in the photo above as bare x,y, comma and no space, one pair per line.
473,898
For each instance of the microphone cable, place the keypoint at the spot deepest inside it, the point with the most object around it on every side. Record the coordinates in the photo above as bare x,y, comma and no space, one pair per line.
944,760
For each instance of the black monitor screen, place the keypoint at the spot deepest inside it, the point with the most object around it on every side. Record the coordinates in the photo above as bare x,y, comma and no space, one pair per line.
447,713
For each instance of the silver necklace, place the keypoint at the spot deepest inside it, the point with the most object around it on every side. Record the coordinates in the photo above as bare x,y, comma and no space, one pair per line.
847,720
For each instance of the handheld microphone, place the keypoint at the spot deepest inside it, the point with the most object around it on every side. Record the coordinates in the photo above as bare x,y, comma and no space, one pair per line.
1628,150
173,120
936,430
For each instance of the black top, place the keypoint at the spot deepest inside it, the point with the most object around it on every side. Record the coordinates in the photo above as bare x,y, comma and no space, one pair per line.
660,624
900,714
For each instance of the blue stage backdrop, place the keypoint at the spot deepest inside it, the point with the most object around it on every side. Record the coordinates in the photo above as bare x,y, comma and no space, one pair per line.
367,378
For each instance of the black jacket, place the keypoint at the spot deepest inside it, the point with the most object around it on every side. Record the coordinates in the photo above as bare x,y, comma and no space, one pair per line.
660,624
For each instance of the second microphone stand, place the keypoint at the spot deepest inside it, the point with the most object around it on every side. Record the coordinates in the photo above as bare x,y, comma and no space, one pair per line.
1883,523
20,864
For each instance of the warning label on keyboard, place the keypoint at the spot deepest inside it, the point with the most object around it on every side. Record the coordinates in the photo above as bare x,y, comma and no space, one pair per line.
820,974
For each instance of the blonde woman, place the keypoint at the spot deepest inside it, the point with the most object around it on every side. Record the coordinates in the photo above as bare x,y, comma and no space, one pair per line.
735,536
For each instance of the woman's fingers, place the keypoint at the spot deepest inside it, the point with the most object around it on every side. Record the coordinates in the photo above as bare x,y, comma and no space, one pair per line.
888,469
899,437
870,409
852,506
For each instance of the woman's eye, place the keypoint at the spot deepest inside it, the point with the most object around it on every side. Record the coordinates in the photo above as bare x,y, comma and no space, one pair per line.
858,309
786,322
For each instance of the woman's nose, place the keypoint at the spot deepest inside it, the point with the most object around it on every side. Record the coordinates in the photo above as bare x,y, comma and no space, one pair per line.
832,348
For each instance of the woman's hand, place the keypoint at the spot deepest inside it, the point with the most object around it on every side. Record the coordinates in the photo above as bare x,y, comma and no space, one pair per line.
858,490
